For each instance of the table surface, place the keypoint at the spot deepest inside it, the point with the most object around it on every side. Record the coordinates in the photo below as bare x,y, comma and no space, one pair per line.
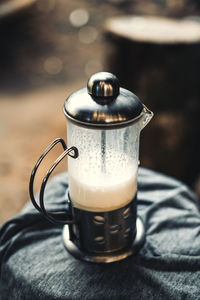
34,263
152,29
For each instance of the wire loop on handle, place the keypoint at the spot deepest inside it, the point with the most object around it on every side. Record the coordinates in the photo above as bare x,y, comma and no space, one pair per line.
72,152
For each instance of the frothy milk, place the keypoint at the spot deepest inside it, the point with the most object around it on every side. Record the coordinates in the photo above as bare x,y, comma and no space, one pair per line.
104,191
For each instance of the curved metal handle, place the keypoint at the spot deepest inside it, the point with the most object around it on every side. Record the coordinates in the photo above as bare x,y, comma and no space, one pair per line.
73,152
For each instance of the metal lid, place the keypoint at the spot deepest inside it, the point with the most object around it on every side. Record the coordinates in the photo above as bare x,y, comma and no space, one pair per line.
103,103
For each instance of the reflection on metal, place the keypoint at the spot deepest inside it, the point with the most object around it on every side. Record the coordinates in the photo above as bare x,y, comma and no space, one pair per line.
99,220
104,104
103,84
107,257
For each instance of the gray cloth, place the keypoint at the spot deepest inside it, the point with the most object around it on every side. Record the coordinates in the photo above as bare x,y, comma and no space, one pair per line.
34,263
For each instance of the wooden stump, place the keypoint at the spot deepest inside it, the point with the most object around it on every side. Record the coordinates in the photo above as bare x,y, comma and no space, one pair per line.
159,60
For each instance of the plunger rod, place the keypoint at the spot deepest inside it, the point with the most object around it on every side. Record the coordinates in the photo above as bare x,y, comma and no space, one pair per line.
103,151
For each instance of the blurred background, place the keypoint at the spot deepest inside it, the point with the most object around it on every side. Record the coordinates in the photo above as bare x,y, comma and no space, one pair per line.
49,48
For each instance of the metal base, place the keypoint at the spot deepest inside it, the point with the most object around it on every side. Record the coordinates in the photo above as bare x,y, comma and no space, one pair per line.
109,256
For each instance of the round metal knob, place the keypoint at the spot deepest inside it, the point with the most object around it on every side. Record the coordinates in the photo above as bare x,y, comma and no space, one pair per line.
103,85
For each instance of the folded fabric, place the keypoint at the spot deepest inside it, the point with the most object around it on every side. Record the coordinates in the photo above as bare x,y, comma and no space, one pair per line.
34,263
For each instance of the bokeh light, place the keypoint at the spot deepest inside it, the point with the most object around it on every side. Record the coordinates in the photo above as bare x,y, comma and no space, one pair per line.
79,17
87,34
53,65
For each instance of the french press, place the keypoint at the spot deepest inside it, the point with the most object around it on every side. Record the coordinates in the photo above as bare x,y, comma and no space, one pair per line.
103,129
